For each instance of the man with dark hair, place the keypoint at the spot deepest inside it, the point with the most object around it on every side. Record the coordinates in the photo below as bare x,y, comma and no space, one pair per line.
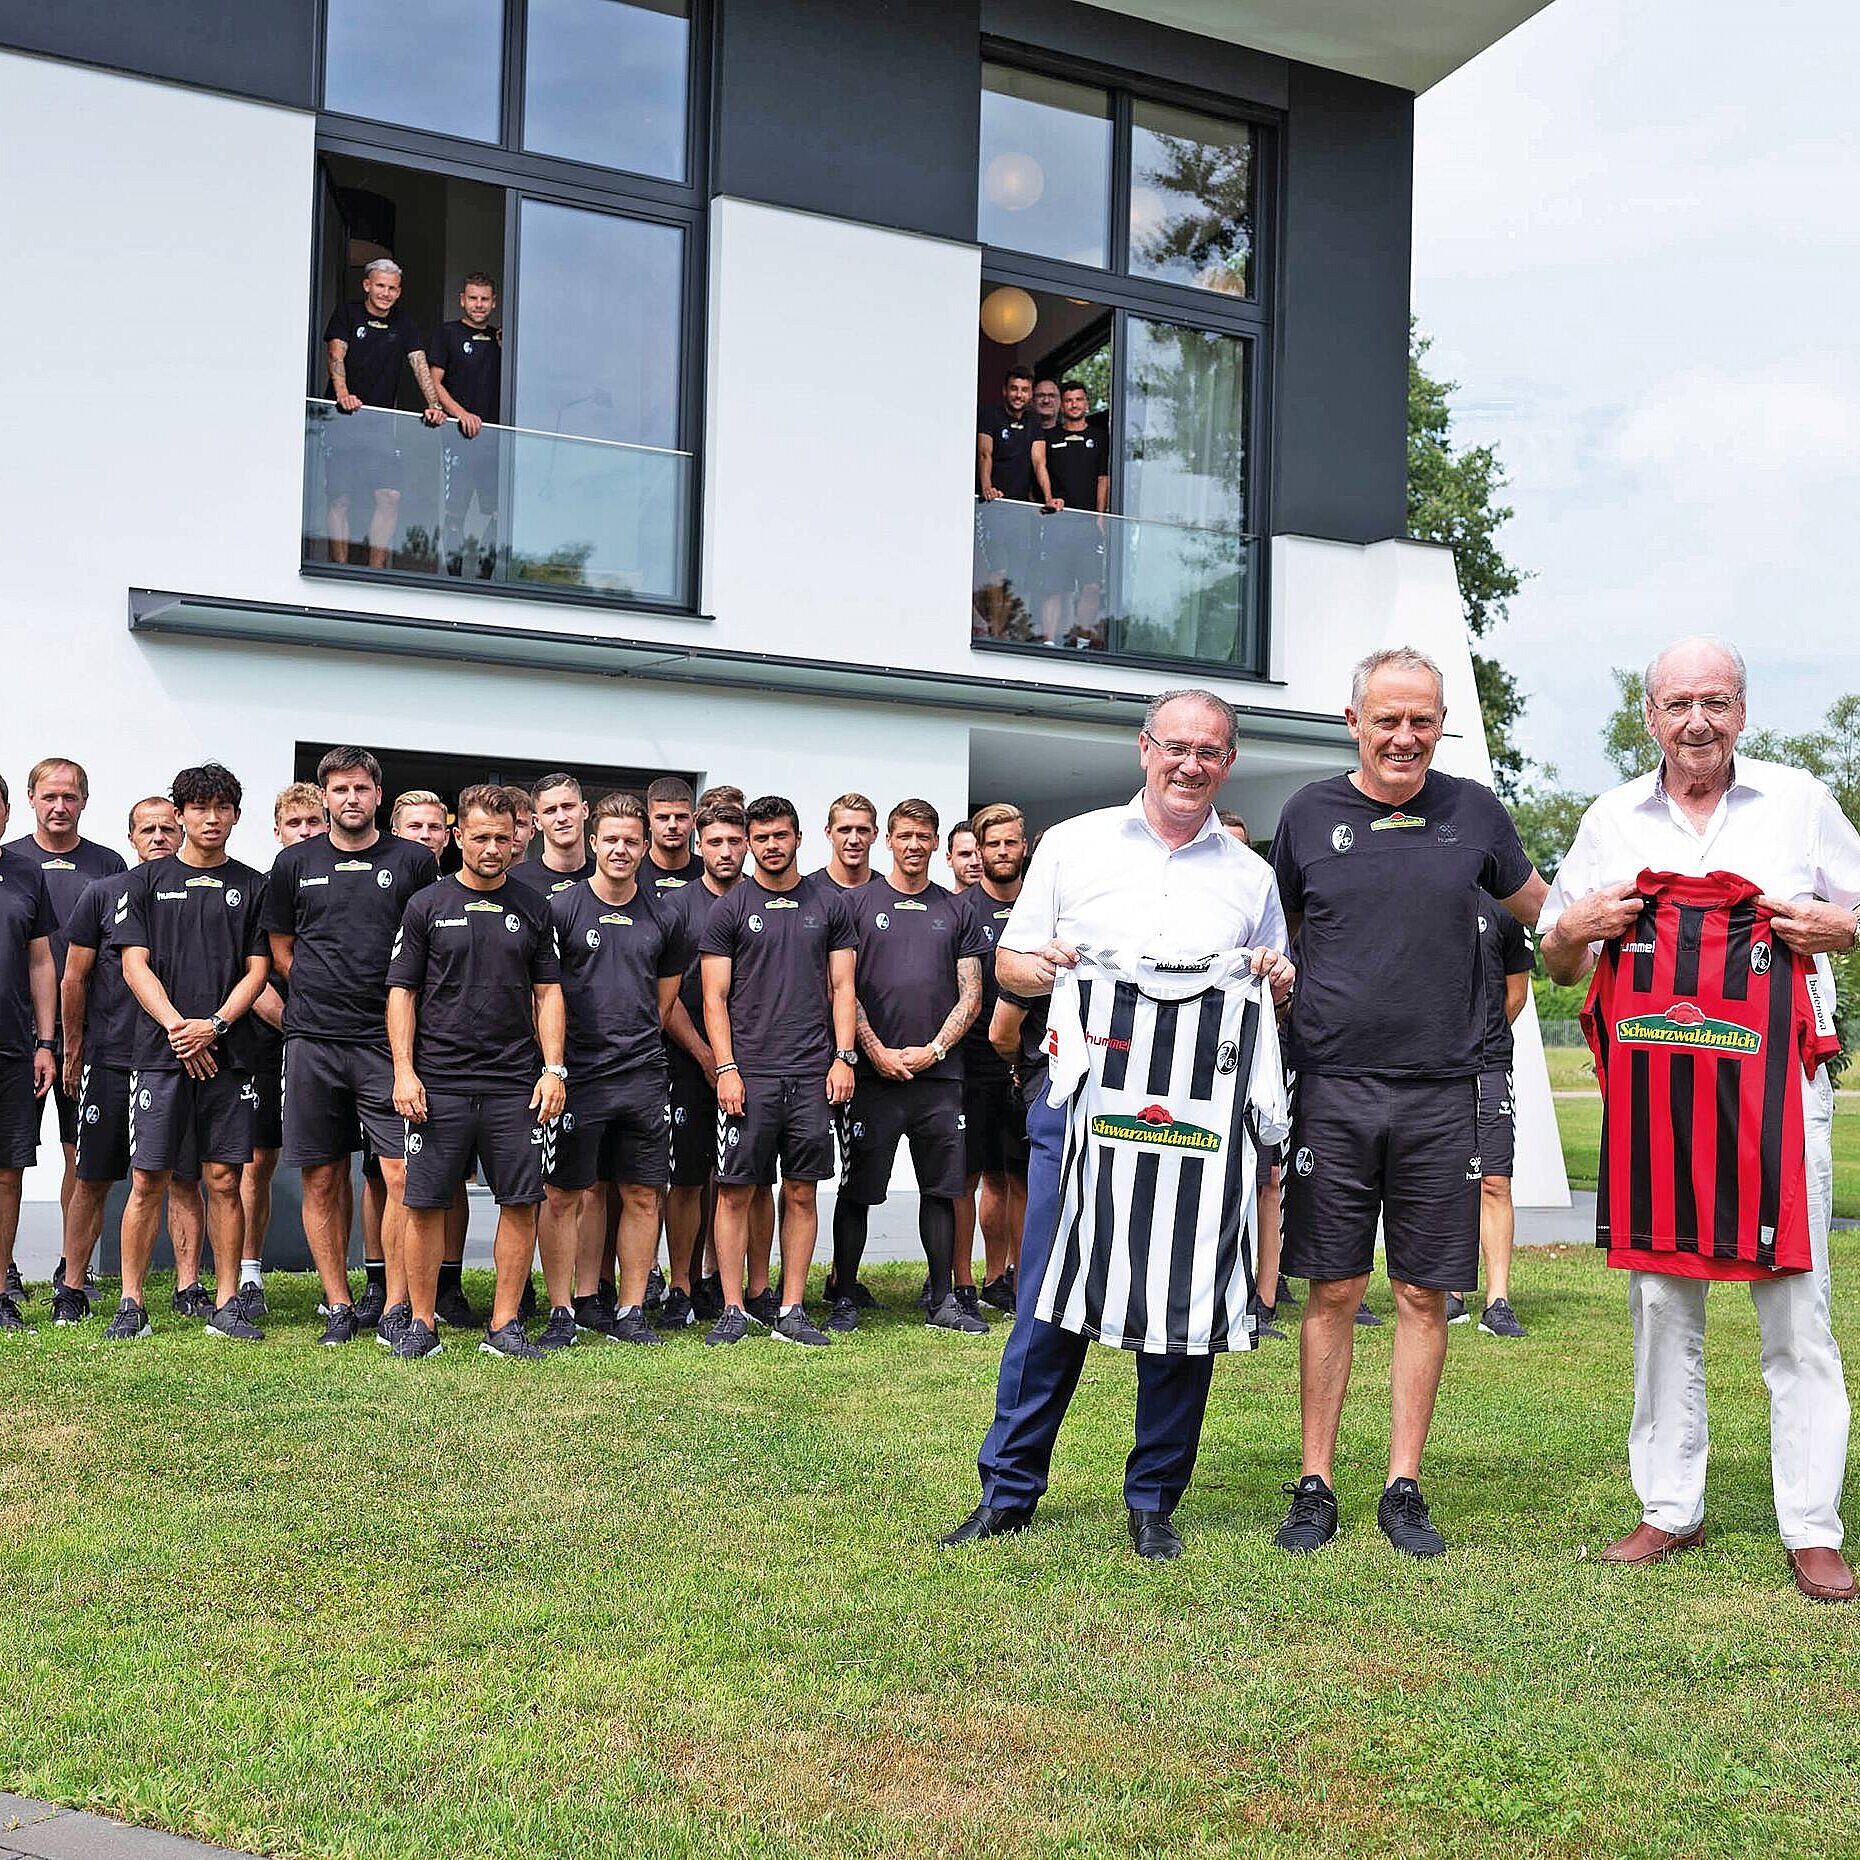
190,930
1078,466
1010,478
852,826
332,908
623,955
475,1006
964,854
523,813
918,983
468,369
670,864
562,820
58,791
781,1016
28,1014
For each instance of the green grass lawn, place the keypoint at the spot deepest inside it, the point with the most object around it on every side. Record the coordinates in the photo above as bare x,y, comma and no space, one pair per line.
686,1603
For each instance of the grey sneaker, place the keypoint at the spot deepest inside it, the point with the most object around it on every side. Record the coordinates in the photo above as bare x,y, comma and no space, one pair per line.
949,1315
843,1320
732,1327
1367,1318
796,1327
510,1340
1403,1516
1456,1309
970,1300
231,1325
393,1323
340,1327
559,1332
1500,1320
70,1305
633,1326
676,1312
250,1298
414,1339
129,1323
370,1306
763,1307
192,1301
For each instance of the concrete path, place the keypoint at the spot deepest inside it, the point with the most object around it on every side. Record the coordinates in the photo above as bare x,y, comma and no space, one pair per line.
32,1830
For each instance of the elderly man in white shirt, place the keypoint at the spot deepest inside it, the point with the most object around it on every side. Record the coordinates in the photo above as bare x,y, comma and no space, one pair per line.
1159,878
1708,809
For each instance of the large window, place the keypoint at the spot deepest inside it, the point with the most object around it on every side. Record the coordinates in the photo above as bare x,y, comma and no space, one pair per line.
1123,272
604,81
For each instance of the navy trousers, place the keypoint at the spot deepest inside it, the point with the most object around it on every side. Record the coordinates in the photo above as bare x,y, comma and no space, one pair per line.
1040,1369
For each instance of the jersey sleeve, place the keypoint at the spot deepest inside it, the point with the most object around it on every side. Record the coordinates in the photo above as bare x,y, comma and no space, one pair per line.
1286,869
113,862
403,325
132,928
719,938
337,326
675,950
1514,945
1066,1056
1507,866
280,912
974,938
546,954
1814,1017
1268,1106
44,916
84,927
843,933
407,961
256,941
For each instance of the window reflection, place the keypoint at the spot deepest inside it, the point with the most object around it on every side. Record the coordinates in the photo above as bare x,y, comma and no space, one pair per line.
604,82
429,64
1191,199
1045,167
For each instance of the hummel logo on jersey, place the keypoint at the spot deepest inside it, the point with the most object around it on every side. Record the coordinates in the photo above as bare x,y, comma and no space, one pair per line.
1154,1124
248,1093
354,865
1685,1024
1473,1171
1198,967
1342,838
1397,819
1304,1162
537,1137
439,923
172,897
1759,958
1638,949
305,884
1102,1039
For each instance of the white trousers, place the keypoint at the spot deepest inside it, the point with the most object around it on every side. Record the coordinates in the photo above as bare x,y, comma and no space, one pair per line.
1669,1440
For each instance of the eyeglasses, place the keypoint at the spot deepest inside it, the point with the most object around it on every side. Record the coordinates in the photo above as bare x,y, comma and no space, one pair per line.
1202,752
1680,708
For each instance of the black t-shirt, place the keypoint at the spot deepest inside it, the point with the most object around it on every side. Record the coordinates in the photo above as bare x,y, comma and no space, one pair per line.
544,880
1030,1048
1012,436
692,906
1505,949
474,363
267,1040
67,875
613,958
833,885
343,909
665,885
979,1059
471,959
26,914
778,942
378,349
1074,464
199,925
1390,979
110,1010
909,945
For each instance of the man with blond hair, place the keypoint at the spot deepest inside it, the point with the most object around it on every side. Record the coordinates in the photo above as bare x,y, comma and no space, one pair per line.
852,826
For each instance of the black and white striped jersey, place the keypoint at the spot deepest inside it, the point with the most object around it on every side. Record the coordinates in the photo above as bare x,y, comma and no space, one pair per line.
1170,1078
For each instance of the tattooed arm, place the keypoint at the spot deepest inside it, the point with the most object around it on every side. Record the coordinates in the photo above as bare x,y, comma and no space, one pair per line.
435,415
337,351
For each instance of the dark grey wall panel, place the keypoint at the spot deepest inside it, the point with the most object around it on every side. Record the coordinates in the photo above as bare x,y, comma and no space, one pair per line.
1340,456
866,109
251,48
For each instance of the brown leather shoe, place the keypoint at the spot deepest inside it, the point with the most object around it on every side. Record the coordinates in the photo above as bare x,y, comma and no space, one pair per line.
1821,1573
1647,1543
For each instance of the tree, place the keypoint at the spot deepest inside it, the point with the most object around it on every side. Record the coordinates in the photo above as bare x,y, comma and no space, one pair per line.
1625,743
1547,815
1452,497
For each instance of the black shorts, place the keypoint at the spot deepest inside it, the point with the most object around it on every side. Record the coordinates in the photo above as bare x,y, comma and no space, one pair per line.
103,1129
1071,552
334,1093
19,1115
361,454
500,1126
66,1107
694,1122
174,1119
1498,1124
994,1132
926,1111
268,1125
471,472
786,1125
1406,1150
614,1130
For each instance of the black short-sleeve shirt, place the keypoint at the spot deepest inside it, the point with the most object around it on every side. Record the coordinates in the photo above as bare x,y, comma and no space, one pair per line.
613,958
778,942
474,363
378,350
544,880
343,909
1390,978
1505,949
110,1010
26,914
663,884
1074,464
200,926
472,958
979,1059
909,945
1012,437
692,906
66,875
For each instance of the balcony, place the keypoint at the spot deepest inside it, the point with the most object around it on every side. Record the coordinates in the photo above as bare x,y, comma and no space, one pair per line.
1124,587
509,511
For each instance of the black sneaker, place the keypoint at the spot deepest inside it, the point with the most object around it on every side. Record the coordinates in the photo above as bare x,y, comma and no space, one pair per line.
676,1313
1365,1317
797,1327
970,1300
633,1327
526,1305
559,1332
510,1340
15,1286
1456,1309
655,1289
923,1296
1262,1316
250,1298
843,1319
129,1323
609,1295
392,1325
1286,1296
1000,1292
732,1327
1499,1320
707,1297
763,1307
591,1315
340,1327
950,1316
413,1339
192,1301
10,1316
1403,1517
370,1306
70,1306
1312,1521
231,1325
450,1307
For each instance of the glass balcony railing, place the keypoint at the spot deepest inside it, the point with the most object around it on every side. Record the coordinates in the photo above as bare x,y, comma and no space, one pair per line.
1117,585
512,508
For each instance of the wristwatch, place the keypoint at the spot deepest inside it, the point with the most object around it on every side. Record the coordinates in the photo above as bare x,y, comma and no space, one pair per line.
846,1055
556,1072
45,1046
221,1028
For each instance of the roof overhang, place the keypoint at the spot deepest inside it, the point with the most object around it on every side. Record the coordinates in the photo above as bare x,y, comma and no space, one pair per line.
1411,44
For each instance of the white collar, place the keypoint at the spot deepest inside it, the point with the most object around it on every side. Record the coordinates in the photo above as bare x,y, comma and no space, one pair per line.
1210,829
1742,772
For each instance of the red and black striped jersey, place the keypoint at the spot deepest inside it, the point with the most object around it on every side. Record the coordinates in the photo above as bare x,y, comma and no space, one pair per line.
1704,1027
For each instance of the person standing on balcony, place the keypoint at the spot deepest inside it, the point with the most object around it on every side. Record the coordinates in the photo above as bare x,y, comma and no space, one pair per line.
1078,468
368,342
468,376
1010,470
1045,405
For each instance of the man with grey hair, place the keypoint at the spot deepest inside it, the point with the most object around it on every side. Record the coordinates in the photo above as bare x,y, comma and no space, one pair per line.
1382,872
367,343
1160,878
1706,808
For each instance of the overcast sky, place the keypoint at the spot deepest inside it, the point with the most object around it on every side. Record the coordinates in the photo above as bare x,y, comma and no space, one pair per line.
1637,246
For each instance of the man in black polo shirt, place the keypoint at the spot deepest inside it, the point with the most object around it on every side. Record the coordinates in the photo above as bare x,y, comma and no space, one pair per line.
475,1024
1078,467
918,981
781,1015
191,934
332,907
468,374
28,1014
623,956
1381,873
1010,477
367,344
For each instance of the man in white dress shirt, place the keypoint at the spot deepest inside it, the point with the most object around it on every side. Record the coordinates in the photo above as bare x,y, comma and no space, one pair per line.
1707,809
1161,877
